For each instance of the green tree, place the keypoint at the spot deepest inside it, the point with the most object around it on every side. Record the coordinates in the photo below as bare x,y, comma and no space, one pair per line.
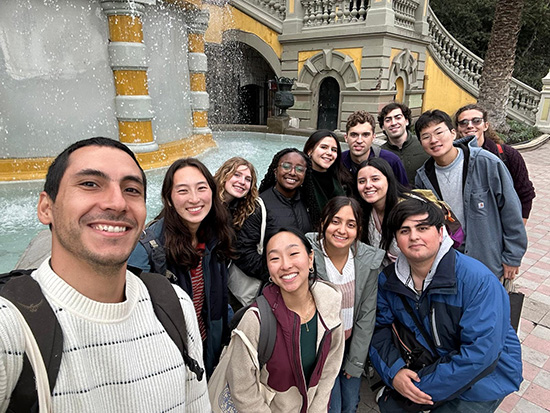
470,22
498,64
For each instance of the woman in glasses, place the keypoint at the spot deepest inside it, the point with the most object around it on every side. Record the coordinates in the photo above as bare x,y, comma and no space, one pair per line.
330,177
288,195
472,120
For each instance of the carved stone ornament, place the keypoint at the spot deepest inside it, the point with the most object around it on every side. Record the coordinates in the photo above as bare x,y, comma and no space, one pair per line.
325,61
404,65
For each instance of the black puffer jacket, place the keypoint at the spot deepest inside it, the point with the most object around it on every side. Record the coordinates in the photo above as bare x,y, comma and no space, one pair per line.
281,212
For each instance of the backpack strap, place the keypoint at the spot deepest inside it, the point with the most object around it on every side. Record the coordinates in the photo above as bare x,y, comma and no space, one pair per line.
268,330
25,293
376,150
502,154
419,326
169,312
260,247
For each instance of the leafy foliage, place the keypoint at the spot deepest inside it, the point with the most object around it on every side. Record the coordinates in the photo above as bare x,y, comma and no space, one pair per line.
519,132
470,22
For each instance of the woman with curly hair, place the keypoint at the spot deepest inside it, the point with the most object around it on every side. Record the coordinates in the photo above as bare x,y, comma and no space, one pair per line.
236,182
379,191
289,198
330,177
189,242
472,120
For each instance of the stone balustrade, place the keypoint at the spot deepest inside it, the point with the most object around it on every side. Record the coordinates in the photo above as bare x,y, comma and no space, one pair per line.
325,12
405,12
465,68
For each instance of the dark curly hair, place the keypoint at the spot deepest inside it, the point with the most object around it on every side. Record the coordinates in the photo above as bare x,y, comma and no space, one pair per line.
392,106
307,193
178,237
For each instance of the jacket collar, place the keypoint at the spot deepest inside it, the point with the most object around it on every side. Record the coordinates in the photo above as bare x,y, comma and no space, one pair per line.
324,294
443,281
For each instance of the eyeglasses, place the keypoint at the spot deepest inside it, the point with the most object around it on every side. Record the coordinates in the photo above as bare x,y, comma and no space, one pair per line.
287,167
466,122
439,134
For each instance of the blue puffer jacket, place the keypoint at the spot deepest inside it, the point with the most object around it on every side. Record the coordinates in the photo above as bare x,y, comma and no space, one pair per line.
466,311
215,307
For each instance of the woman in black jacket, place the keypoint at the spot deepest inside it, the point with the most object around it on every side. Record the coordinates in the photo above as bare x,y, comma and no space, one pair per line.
289,198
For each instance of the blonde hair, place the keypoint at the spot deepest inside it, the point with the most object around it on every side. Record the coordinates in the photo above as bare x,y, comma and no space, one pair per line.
245,206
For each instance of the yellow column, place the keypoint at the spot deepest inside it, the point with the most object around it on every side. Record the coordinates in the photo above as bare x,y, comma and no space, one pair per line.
198,23
128,59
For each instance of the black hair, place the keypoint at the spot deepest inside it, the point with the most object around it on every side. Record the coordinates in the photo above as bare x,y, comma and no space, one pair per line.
303,239
432,117
415,205
216,225
396,191
392,106
307,193
337,169
61,162
331,209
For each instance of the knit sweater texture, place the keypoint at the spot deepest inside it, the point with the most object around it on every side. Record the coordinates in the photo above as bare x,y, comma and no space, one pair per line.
116,357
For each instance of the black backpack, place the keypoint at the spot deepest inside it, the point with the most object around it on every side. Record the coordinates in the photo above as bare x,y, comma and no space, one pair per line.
24,292
268,328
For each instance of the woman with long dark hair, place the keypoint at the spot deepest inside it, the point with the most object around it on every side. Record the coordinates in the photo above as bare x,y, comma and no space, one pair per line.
330,177
379,191
308,346
342,259
189,242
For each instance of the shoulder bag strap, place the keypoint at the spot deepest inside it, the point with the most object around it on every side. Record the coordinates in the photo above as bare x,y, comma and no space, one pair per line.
419,326
260,246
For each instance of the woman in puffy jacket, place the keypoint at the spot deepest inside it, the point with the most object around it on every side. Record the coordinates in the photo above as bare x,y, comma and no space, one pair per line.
309,345
342,259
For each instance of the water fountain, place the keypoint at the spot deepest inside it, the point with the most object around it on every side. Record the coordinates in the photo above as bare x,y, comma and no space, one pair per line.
130,70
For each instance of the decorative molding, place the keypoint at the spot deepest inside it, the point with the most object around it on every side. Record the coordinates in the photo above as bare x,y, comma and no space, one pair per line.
325,61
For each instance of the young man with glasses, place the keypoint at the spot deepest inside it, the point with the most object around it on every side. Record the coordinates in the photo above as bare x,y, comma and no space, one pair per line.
395,119
479,190
471,120
359,137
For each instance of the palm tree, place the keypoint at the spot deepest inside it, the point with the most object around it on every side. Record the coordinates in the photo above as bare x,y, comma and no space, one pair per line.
499,61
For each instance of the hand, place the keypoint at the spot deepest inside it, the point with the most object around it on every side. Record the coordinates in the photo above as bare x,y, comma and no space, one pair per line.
402,382
348,376
509,271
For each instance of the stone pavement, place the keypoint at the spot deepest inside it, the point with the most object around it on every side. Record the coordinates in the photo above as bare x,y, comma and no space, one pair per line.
534,281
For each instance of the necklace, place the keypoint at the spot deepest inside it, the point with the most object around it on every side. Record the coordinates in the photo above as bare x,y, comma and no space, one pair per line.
309,312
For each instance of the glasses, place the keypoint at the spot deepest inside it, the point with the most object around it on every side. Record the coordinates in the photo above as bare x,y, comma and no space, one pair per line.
466,122
438,135
287,167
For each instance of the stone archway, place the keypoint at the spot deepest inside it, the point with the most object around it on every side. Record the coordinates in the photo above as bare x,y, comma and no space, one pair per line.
325,64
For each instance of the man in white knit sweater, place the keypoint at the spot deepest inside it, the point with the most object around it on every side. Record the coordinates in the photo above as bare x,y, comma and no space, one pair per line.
117,357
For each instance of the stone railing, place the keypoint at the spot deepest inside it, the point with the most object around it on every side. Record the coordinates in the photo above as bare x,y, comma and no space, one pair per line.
465,68
405,12
272,13
325,12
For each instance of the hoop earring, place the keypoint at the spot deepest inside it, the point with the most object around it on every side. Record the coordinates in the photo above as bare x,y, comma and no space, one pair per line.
311,271
270,279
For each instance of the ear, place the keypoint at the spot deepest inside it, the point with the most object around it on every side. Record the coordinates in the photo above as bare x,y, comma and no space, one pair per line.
441,234
44,210
486,126
311,255
453,132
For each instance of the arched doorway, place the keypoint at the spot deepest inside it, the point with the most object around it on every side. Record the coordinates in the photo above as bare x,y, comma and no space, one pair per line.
329,97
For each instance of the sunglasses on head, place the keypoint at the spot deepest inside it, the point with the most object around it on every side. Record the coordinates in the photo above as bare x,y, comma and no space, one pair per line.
466,122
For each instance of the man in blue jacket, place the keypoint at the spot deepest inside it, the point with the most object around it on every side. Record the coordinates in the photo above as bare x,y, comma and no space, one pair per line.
463,310
479,189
